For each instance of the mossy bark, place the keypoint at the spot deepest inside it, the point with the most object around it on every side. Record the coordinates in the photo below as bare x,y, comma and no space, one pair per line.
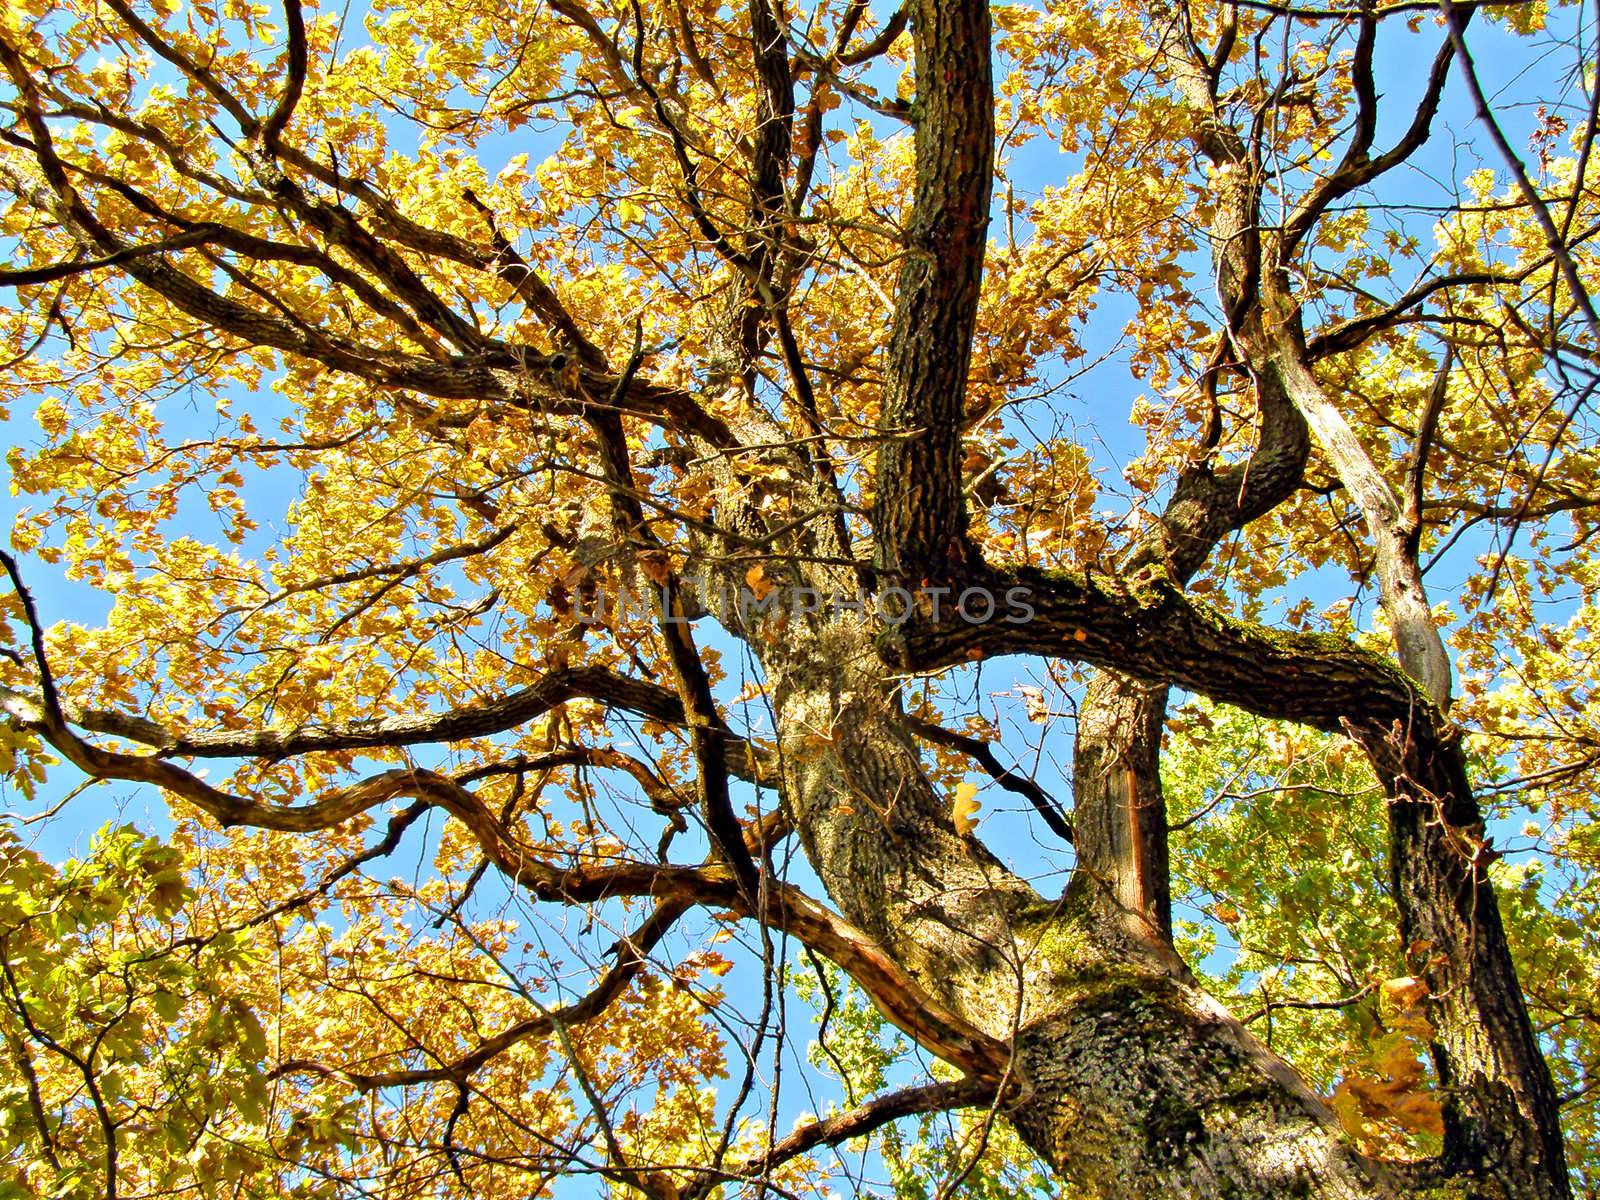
1128,1078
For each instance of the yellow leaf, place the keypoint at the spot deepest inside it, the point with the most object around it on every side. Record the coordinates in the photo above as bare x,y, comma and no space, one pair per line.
656,566
1404,991
964,808
757,581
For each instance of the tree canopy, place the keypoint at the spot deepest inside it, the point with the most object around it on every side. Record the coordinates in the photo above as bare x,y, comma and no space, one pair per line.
786,598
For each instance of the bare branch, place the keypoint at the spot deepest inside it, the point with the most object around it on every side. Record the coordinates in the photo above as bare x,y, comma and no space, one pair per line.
980,752
1456,17
845,1126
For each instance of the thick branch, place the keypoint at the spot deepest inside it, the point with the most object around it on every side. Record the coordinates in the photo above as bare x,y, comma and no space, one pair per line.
294,82
920,517
647,700
1146,627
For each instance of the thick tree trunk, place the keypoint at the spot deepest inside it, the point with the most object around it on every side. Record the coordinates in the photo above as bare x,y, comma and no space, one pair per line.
1129,1079
1153,1089
1143,1087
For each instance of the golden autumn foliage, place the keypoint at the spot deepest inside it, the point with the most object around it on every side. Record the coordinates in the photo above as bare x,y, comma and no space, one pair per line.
423,417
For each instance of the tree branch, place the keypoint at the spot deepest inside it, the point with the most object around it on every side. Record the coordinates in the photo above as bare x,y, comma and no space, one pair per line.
980,752
920,515
845,1126
1456,17
294,76
1357,169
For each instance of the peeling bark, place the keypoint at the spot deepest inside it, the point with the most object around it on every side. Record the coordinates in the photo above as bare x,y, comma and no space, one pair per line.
1119,812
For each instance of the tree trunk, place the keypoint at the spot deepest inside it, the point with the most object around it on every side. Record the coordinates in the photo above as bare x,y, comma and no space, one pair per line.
1142,1086
1130,1080
1502,1121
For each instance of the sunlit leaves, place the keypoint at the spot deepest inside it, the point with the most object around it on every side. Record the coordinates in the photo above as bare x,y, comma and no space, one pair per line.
285,540
121,1041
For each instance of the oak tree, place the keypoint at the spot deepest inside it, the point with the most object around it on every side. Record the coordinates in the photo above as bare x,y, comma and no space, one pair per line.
379,356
